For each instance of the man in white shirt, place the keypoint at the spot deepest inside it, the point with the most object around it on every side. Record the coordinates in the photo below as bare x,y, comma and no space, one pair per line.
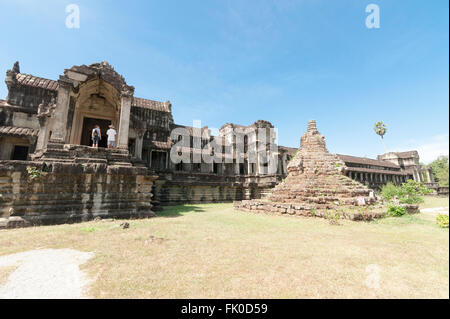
111,136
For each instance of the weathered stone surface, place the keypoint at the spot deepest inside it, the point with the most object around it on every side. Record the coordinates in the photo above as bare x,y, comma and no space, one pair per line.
181,188
316,181
411,208
71,192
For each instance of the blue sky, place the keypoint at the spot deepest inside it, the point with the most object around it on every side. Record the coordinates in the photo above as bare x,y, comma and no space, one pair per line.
238,61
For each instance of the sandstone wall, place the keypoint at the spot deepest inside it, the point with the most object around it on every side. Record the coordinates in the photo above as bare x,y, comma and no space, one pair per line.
177,189
71,192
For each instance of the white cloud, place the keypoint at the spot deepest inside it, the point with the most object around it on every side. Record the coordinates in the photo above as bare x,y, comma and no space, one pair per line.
429,149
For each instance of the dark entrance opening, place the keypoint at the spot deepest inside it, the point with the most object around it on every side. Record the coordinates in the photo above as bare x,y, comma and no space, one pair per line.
158,161
131,146
88,125
241,169
20,153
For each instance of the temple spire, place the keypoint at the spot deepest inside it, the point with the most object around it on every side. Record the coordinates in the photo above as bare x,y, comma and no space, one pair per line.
312,128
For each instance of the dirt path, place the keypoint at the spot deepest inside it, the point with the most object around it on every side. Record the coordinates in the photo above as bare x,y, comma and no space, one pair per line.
435,210
45,273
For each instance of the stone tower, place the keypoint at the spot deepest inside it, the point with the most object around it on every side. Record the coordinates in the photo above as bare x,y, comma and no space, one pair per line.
316,182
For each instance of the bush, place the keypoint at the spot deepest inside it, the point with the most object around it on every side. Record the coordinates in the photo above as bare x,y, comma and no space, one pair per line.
412,192
396,211
389,191
442,220
408,193
33,172
440,170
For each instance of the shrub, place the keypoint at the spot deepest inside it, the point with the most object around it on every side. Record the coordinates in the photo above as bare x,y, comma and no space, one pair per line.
389,191
408,193
33,172
412,192
442,220
396,211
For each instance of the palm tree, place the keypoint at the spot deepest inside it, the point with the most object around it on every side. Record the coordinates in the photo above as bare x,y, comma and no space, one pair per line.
380,129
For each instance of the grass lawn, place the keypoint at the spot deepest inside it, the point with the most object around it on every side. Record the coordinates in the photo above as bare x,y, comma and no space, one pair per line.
434,201
212,251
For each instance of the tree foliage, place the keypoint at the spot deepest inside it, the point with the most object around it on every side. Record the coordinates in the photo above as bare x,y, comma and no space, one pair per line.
380,128
440,170
442,220
410,192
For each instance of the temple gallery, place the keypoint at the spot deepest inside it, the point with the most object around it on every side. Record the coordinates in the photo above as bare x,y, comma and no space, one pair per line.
45,132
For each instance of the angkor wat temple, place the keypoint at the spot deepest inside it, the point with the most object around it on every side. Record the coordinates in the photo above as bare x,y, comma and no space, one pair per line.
45,128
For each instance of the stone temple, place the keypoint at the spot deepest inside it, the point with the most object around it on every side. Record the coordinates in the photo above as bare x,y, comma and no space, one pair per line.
50,174
316,182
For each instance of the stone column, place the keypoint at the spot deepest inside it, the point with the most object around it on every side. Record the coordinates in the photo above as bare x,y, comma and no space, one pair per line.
124,124
258,164
6,151
150,159
429,176
167,160
59,133
236,167
138,147
43,133
139,143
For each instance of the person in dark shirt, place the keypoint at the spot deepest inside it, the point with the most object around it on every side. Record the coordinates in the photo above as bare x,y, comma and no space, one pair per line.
96,136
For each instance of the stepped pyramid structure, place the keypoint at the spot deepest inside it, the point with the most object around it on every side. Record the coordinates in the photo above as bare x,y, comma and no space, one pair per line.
316,183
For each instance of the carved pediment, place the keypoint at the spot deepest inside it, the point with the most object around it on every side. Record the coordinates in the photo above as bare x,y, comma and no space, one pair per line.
104,71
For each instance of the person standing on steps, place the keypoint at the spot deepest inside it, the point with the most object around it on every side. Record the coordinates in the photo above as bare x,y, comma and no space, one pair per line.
96,136
111,136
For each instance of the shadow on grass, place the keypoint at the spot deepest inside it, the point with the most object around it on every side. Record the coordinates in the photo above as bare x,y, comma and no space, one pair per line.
179,210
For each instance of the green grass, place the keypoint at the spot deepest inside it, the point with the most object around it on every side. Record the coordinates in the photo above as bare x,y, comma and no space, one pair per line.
434,201
213,251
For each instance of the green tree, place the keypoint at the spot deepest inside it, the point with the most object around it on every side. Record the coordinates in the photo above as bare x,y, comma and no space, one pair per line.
440,170
381,129
410,192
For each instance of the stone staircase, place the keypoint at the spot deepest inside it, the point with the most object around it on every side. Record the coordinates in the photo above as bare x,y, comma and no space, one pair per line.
69,153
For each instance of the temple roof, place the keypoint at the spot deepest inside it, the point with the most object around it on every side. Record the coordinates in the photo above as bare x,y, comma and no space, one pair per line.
47,84
366,161
257,124
289,150
18,131
407,154
35,81
190,129
152,105
376,171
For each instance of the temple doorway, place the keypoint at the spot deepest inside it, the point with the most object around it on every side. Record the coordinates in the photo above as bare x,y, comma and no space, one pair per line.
158,160
88,125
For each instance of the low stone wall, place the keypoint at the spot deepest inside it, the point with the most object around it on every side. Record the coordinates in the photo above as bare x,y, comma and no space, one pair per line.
183,188
442,191
71,192
301,210
352,213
